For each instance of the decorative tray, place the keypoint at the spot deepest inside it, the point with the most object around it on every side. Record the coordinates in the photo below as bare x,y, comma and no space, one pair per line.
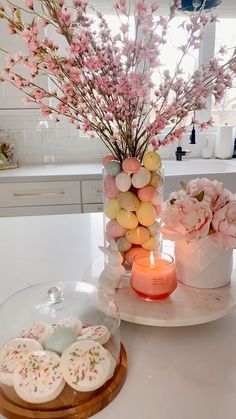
186,306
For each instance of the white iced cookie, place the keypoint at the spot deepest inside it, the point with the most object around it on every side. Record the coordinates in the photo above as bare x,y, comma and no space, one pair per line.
11,356
113,365
39,379
86,365
71,321
98,333
38,331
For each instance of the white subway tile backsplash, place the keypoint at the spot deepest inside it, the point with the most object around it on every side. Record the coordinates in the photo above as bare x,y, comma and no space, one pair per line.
40,140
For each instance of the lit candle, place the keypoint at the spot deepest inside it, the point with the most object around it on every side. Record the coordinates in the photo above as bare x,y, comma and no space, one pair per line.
153,277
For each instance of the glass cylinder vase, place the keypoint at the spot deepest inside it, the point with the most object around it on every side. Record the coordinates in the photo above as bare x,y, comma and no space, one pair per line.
133,197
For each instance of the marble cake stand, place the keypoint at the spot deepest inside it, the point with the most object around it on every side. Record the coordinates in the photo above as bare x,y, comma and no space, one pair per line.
187,306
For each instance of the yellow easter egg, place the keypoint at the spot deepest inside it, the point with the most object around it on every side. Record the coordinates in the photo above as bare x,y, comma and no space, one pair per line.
128,201
146,214
152,160
111,208
127,219
156,180
138,235
151,244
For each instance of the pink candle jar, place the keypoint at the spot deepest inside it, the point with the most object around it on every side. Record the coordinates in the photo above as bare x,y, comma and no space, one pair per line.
153,277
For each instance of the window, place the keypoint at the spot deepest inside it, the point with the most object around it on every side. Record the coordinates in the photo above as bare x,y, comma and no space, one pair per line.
225,112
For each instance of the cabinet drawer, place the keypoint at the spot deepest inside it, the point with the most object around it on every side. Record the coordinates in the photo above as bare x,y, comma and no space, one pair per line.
39,193
93,208
92,191
40,210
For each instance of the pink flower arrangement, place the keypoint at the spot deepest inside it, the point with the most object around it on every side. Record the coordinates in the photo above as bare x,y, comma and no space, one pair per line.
102,83
202,208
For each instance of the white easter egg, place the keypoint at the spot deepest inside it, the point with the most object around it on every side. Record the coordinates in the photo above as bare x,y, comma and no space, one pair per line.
123,182
141,178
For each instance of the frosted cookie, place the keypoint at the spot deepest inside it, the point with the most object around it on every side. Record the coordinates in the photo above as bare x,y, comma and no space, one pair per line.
38,331
39,378
11,355
98,333
86,365
113,365
71,321
59,340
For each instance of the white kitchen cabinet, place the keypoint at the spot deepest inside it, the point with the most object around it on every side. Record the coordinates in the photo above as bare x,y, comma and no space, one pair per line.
31,198
92,207
92,191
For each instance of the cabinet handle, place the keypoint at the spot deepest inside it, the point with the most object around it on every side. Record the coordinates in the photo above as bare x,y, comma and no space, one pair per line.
21,194
99,191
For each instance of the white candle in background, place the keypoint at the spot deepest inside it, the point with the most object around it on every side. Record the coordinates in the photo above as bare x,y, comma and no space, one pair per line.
224,142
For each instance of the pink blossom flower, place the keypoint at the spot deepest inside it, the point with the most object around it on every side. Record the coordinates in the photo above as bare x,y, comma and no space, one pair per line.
186,218
224,226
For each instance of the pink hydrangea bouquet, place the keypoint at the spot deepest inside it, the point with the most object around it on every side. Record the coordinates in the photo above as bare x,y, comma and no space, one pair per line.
202,208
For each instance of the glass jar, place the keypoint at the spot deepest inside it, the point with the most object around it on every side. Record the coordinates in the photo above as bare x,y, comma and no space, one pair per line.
60,342
153,276
133,198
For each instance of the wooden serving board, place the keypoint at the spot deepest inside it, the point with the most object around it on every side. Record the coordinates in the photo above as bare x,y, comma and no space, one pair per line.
73,404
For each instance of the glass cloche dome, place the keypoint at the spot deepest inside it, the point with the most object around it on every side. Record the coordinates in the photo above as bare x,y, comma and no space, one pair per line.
59,346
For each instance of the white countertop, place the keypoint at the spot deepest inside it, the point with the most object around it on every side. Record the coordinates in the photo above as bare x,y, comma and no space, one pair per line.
49,172
179,373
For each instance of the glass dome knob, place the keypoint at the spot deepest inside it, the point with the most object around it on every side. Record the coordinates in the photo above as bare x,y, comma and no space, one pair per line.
55,295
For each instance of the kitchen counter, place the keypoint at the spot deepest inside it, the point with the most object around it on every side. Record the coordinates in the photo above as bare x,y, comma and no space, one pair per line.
62,172
180,373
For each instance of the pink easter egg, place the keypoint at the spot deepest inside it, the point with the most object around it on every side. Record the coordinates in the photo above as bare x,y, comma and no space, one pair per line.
131,165
114,229
158,209
157,199
109,237
146,194
110,188
107,158
135,251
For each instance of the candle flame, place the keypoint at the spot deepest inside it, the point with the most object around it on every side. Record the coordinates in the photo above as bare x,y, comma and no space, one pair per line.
152,262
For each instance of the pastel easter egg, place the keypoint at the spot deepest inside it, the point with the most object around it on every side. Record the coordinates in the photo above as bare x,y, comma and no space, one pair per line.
110,188
128,201
133,252
111,208
109,237
60,339
113,228
152,160
158,209
141,178
151,244
123,181
146,214
123,244
155,227
156,179
157,199
147,193
138,235
131,165
127,219
113,167
108,158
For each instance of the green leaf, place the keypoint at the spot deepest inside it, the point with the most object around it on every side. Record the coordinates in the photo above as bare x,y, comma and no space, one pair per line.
18,14
183,184
200,196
